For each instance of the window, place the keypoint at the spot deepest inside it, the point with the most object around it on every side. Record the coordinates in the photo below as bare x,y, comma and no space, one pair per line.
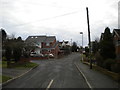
40,45
47,44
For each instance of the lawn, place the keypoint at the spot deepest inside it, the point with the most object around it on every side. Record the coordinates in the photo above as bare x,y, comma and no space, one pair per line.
3,64
4,78
26,65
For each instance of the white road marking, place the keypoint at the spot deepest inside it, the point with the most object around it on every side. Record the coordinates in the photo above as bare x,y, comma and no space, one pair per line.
84,76
49,84
17,76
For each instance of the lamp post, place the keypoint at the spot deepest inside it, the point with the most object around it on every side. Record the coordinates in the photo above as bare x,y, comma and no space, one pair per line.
82,44
82,38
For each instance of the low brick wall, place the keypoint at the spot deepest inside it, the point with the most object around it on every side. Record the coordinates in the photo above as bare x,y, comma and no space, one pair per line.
115,76
24,59
38,58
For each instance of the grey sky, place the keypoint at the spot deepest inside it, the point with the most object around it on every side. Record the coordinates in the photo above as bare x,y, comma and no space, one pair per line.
62,18
119,14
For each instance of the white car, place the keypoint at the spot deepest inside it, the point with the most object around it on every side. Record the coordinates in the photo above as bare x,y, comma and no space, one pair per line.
34,54
51,55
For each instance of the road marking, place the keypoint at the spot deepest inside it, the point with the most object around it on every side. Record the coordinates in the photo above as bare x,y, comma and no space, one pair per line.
49,84
17,76
84,76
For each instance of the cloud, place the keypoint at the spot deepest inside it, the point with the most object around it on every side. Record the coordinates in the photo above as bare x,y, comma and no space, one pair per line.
62,18
119,15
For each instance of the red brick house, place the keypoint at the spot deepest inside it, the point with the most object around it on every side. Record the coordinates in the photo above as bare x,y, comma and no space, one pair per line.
44,44
116,36
50,45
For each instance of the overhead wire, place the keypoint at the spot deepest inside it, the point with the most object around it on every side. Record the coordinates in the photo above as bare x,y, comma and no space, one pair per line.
46,18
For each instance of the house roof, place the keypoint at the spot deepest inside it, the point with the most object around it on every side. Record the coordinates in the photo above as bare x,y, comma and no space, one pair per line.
35,39
50,38
40,39
117,32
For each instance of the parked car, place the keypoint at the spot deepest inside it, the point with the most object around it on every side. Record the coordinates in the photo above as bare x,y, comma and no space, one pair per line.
34,54
51,55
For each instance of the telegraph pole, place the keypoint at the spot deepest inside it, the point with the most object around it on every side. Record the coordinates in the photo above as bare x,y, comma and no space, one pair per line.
89,37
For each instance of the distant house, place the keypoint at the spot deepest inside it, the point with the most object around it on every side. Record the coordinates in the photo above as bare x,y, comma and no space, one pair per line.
65,47
116,36
64,44
50,45
44,44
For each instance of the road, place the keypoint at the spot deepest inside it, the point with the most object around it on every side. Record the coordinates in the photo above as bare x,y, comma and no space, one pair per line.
53,73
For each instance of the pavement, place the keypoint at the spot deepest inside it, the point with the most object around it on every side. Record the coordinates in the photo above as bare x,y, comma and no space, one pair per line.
68,72
14,72
96,78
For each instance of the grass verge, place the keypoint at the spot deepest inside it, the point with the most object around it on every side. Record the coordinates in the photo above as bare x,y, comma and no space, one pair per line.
26,65
3,64
4,78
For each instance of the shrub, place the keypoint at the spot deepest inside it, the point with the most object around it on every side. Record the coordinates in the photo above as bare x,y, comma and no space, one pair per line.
4,58
8,53
108,63
99,59
115,67
17,52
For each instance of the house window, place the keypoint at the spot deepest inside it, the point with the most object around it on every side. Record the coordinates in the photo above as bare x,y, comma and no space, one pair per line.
47,44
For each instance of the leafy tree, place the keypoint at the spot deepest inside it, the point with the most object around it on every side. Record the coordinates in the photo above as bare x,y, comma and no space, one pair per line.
19,39
95,46
4,34
27,49
16,47
86,51
67,50
8,54
107,48
74,47
17,51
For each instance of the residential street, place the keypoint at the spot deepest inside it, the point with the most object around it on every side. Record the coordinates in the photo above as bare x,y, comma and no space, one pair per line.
62,73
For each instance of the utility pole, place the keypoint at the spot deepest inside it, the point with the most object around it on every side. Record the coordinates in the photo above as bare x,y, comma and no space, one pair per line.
89,37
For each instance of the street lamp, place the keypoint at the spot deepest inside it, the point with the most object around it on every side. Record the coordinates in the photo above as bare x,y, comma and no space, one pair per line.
82,44
82,38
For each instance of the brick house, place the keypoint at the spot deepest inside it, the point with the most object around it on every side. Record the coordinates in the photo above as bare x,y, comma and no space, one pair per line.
116,36
44,44
50,45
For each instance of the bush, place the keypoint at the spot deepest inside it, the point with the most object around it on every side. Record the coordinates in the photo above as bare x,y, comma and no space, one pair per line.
115,67
17,52
108,63
99,59
4,58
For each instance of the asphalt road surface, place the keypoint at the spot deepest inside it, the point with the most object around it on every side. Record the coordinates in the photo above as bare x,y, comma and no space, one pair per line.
53,73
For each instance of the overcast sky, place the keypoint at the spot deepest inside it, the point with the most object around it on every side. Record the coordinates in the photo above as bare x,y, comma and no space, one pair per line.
62,18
